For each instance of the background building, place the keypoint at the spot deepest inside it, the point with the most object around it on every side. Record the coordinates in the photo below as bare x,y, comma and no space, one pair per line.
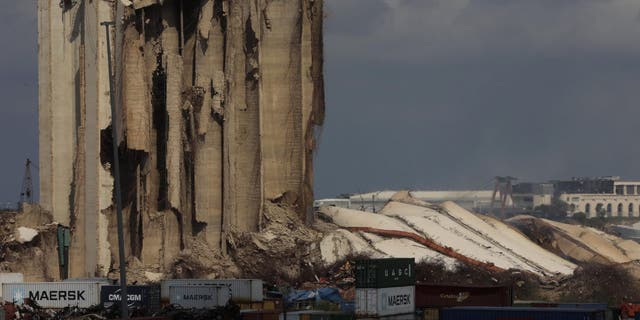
608,196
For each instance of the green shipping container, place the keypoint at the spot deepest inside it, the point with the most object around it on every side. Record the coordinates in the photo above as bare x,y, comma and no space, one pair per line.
385,273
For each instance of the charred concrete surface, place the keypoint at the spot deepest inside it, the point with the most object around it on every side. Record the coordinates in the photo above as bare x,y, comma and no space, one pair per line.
217,106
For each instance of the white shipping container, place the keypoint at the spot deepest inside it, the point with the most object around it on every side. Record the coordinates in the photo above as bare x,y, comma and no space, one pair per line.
380,302
361,302
55,295
10,278
200,296
242,290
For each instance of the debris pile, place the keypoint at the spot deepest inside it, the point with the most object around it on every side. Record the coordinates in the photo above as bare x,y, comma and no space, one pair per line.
29,236
281,251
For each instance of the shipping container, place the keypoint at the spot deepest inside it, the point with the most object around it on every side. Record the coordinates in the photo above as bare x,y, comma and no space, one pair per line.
545,304
385,273
259,315
431,314
267,304
438,296
54,294
406,316
10,278
146,297
498,313
199,297
385,301
242,290
316,315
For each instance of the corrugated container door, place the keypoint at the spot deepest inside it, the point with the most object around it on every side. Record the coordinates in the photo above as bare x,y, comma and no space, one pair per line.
361,302
361,274
10,278
243,290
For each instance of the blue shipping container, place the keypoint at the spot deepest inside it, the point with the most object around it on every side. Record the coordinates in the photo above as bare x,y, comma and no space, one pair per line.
592,306
515,313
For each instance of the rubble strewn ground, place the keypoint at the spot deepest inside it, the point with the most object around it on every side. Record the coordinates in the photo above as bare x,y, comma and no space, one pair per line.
281,252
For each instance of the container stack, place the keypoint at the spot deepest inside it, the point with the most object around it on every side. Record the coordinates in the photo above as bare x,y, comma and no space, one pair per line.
385,287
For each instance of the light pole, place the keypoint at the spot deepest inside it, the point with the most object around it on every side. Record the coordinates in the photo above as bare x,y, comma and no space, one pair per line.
124,310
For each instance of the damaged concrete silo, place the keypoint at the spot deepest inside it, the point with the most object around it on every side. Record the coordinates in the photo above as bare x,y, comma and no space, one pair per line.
218,102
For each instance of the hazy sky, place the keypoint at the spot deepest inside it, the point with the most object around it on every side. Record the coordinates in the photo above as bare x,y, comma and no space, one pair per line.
430,93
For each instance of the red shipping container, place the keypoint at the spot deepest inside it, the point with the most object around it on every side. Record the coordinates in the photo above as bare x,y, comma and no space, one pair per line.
439,296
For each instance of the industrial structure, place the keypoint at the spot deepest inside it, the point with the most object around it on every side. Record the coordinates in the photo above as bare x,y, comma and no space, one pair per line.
217,105
475,200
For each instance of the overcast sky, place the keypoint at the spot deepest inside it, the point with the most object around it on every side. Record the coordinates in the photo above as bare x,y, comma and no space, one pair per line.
430,94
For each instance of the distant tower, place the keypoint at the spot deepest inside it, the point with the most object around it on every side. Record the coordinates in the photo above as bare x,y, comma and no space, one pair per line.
26,195
504,188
